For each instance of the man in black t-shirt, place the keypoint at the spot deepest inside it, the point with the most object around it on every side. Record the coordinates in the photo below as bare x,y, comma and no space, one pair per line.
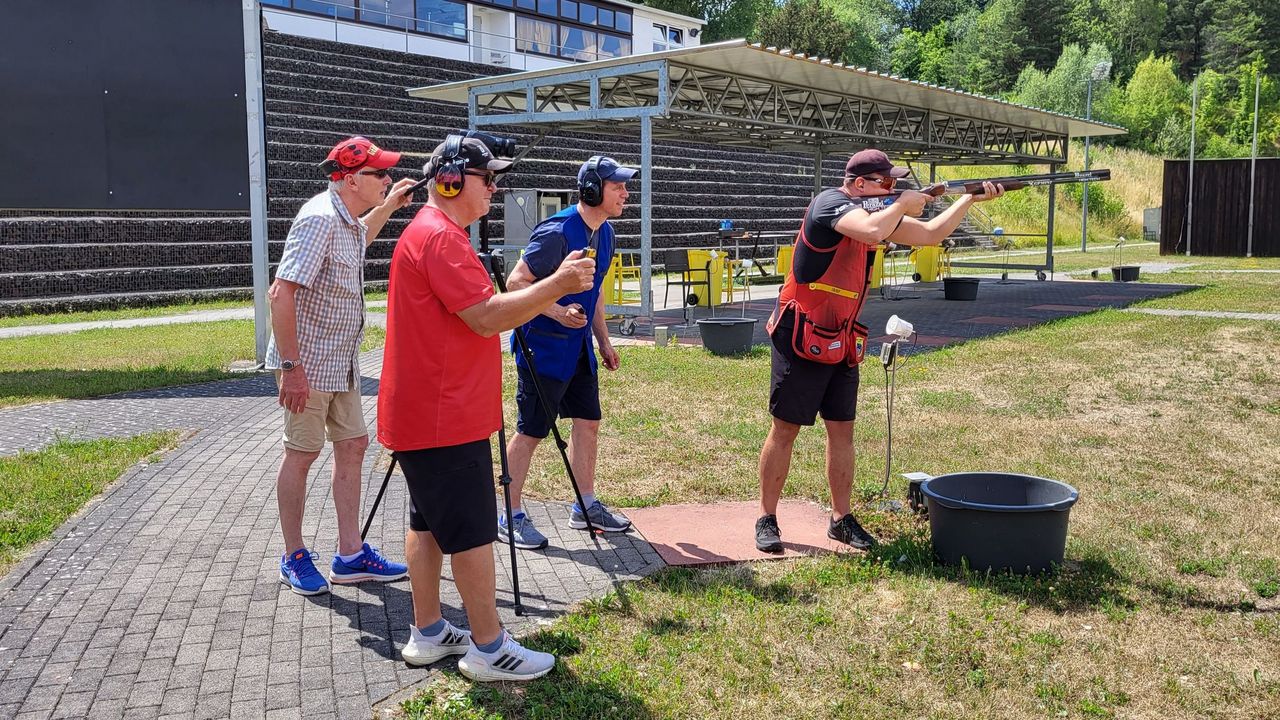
826,288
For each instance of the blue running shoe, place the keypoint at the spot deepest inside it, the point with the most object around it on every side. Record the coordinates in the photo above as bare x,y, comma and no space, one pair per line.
299,573
604,519
527,536
371,565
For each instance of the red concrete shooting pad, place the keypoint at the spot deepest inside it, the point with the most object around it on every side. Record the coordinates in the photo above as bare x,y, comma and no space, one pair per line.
725,532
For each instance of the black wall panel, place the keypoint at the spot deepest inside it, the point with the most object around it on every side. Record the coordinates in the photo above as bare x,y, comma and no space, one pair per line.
123,104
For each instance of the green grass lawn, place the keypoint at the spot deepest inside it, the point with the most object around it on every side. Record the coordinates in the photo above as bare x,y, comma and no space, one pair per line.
1166,607
120,313
139,312
39,490
91,363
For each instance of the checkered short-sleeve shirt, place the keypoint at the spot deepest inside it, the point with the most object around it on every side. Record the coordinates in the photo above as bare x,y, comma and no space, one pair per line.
324,253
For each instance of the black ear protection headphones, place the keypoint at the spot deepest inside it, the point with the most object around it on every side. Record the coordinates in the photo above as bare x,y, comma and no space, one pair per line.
591,189
350,156
450,171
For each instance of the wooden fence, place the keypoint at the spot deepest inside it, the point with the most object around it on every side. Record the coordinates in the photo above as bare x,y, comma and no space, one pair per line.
1220,214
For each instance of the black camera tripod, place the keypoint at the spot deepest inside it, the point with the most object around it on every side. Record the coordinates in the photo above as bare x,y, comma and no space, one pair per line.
496,266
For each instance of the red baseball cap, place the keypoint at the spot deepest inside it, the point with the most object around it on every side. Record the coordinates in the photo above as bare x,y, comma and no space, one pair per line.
866,162
355,153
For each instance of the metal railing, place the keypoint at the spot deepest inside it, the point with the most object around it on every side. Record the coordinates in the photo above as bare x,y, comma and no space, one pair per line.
486,47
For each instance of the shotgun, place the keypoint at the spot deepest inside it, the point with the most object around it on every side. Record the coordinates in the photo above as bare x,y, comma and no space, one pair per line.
974,187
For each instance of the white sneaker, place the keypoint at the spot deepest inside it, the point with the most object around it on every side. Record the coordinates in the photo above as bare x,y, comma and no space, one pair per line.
512,661
423,650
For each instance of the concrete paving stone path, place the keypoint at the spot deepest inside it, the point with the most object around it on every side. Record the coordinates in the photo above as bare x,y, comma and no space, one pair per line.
162,598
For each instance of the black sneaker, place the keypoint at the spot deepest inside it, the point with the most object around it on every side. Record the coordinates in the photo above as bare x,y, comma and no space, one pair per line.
768,536
848,531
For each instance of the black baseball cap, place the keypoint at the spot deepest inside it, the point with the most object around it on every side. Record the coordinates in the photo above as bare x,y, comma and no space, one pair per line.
474,153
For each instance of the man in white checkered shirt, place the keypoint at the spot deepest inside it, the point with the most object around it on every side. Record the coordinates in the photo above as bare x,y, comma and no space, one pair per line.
317,323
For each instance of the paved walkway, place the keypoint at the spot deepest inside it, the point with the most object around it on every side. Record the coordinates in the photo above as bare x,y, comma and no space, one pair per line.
161,599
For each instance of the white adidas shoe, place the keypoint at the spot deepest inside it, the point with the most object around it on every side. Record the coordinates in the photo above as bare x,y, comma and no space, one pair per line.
423,650
512,661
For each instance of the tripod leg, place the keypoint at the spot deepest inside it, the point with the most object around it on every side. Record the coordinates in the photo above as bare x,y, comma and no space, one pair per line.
523,345
373,510
504,479
555,429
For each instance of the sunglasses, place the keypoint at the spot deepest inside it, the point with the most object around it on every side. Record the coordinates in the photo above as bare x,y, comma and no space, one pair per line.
380,174
490,177
886,183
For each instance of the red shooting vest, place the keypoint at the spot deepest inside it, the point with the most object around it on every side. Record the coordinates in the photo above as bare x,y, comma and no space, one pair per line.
826,310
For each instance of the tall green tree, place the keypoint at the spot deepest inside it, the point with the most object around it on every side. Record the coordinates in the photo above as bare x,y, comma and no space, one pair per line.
922,56
807,26
726,19
924,15
1184,34
1153,95
876,24
1234,35
1064,89
1131,30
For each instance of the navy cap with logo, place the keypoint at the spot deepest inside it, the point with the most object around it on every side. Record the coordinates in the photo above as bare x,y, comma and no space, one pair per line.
609,170
872,161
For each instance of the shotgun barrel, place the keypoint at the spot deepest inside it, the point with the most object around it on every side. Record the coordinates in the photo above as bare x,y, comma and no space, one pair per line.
974,187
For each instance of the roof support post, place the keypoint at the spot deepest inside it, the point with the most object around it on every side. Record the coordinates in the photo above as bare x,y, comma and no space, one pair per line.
646,216
251,20
1048,246
818,154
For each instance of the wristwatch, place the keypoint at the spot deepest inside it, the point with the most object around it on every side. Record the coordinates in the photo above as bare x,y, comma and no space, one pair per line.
287,365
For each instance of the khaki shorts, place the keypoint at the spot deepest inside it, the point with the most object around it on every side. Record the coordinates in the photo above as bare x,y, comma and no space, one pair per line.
335,414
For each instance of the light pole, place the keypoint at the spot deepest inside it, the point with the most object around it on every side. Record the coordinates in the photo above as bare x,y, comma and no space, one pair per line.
1099,72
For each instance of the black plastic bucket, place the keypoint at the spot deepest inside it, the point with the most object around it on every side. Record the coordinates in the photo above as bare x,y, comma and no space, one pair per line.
999,521
727,336
960,288
1125,273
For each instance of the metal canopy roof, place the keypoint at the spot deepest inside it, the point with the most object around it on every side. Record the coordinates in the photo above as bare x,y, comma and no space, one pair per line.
743,94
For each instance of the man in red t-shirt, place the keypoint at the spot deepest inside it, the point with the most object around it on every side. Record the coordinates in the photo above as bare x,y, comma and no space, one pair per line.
440,400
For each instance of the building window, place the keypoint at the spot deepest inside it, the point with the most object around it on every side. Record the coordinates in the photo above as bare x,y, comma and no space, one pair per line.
667,38
604,18
622,21
392,13
568,9
614,46
345,9
442,17
579,44
535,36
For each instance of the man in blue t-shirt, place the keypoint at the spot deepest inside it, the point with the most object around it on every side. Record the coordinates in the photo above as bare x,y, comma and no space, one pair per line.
560,339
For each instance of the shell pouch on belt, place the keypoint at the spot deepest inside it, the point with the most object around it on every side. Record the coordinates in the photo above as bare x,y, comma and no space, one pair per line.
845,342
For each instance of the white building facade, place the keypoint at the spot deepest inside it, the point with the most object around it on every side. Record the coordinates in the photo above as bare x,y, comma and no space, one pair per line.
518,34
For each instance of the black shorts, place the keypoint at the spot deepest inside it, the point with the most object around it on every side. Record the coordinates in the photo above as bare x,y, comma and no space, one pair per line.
578,397
799,389
451,494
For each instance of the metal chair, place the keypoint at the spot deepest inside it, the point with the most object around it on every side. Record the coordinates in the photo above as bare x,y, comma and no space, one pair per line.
677,261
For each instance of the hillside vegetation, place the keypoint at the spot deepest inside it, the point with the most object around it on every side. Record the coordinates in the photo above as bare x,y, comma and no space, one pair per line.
1115,207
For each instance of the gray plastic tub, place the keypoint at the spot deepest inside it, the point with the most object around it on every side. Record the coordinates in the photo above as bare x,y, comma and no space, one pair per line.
999,521
727,336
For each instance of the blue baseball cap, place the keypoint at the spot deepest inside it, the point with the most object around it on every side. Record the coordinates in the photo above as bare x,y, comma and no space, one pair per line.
608,169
